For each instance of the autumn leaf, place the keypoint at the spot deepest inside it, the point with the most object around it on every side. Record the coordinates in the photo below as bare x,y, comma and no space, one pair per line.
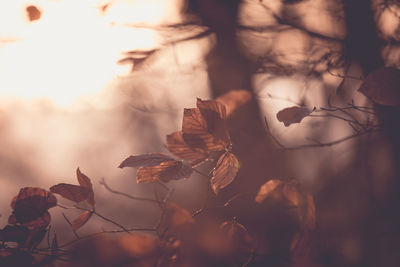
266,190
139,245
292,115
165,172
81,220
225,171
75,193
85,182
233,99
31,203
382,86
178,146
152,159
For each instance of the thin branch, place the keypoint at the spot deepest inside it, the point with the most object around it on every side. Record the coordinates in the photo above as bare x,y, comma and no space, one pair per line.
70,224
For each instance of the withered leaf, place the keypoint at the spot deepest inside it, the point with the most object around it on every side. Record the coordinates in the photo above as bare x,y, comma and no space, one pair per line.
177,219
139,245
233,99
165,172
266,189
178,146
225,171
31,203
382,86
292,115
152,159
84,181
81,220
239,240
75,193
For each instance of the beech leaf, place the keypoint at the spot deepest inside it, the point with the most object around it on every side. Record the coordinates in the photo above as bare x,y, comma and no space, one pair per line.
293,115
382,86
81,220
225,171
266,189
75,193
152,159
165,172
233,99
84,181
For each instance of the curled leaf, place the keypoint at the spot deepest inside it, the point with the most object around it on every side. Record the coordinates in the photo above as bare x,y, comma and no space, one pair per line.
225,171
178,146
145,160
382,86
165,172
266,189
31,203
75,193
84,181
293,115
233,99
81,220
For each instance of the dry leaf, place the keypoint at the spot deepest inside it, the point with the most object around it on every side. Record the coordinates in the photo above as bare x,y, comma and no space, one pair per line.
165,172
139,245
225,171
382,86
81,220
31,203
266,189
234,99
292,115
178,146
152,159
84,181
177,219
75,193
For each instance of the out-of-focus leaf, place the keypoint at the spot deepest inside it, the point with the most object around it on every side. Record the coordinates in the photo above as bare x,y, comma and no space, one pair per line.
84,181
225,171
81,220
145,160
14,233
31,203
35,238
177,219
292,115
266,189
139,245
178,146
75,193
234,99
39,223
382,86
165,172
33,13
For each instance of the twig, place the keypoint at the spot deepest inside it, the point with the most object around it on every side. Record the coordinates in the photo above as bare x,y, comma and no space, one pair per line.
70,224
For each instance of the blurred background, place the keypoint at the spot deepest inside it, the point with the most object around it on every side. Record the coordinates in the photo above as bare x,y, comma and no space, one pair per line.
87,83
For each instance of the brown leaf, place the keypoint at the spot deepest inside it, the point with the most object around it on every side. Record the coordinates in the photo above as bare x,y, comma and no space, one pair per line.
234,99
33,13
292,115
31,203
152,159
84,181
177,219
139,245
266,190
225,171
75,193
165,172
81,220
382,86
178,146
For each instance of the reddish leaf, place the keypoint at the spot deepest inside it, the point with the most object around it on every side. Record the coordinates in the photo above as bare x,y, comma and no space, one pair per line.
292,115
81,220
382,86
266,189
234,99
177,219
84,181
139,245
225,171
152,159
75,193
166,171
31,203
33,13
217,110
178,146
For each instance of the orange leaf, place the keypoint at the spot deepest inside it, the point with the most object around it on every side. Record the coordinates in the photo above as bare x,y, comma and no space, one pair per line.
139,245
239,241
31,203
234,99
166,171
81,220
152,159
225,171
177,219
75,193
292,115
266,189
178,146
84,181
382,86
